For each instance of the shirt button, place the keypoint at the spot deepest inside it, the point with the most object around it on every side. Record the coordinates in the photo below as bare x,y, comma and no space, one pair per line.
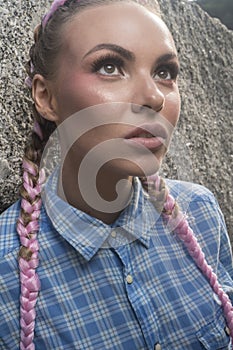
129,279
227,330
157,347
113,234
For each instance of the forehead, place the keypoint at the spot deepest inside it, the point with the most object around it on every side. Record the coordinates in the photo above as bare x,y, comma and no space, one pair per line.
126,24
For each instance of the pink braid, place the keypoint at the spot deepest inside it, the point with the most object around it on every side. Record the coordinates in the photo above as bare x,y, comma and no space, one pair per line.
177,221
28,256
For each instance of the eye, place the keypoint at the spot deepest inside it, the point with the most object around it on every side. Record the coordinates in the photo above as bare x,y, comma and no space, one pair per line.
109,65
164,74
109,69
168,72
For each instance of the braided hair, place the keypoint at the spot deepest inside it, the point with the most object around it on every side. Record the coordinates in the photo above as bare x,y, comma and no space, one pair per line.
178,223
43,54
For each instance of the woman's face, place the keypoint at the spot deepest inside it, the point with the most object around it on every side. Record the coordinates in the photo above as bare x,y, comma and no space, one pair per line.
119,52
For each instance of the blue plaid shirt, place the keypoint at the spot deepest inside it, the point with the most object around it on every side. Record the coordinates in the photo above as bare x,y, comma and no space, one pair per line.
127,286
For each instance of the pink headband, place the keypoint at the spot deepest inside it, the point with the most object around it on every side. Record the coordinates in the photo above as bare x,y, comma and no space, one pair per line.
54,7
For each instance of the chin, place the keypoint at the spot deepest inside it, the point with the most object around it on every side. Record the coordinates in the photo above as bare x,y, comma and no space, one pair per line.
143,168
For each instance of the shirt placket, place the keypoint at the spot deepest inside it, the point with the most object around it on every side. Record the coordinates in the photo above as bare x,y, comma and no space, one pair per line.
139,302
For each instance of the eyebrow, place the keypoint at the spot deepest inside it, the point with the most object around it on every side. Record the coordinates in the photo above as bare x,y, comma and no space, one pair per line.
129,55
166,58
118,49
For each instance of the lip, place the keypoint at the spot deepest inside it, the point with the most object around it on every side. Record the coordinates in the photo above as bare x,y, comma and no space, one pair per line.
157,132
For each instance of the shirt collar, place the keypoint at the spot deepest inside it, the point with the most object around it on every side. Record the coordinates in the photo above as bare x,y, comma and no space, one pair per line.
88,234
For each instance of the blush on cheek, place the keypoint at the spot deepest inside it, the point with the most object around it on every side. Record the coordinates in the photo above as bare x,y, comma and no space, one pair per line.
78,92
172,106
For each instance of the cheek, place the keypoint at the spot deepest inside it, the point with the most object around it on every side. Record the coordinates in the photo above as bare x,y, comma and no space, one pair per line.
172,105
78,92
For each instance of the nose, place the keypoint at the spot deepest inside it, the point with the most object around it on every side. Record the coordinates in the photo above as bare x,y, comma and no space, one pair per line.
147,96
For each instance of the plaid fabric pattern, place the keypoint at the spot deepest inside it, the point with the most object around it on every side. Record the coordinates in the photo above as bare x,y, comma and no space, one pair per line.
126,286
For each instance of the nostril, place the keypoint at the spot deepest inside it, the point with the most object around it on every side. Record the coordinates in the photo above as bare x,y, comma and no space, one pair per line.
160,107
147,106
140,108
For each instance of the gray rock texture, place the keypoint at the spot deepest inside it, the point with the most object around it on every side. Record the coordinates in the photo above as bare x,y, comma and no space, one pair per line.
205,151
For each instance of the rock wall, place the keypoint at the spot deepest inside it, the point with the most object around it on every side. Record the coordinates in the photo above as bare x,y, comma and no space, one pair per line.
205,47
204,142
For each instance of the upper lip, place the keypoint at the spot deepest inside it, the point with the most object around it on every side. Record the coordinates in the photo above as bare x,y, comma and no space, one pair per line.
155,130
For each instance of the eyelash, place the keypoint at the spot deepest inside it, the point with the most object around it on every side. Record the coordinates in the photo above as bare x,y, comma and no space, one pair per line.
171,68
117,61
105,60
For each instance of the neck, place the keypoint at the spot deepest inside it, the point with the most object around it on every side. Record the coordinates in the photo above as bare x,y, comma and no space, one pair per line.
103,198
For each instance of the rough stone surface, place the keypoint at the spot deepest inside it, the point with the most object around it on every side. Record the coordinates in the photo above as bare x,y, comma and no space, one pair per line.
205,49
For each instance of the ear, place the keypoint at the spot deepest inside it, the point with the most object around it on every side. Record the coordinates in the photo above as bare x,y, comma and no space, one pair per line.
44,99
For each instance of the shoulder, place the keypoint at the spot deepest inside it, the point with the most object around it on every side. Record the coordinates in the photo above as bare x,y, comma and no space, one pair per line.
189,191
198,202
202,211
8,234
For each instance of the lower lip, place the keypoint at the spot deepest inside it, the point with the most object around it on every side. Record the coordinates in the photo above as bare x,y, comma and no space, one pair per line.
152,143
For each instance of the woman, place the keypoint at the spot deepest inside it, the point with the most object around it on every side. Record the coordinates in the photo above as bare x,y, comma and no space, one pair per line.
112,272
